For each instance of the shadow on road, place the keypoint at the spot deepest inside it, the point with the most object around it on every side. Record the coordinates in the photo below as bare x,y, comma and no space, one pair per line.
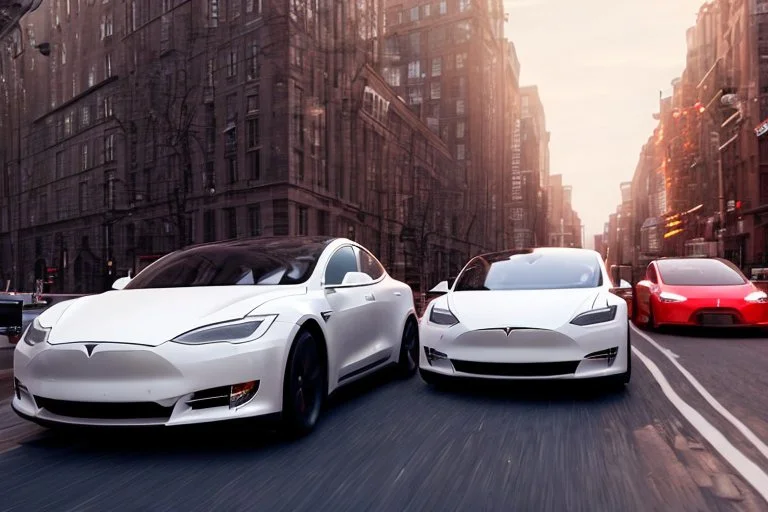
533,391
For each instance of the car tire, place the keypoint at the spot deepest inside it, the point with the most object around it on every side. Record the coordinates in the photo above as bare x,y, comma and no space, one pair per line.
619,382
650,325
408,361
305,386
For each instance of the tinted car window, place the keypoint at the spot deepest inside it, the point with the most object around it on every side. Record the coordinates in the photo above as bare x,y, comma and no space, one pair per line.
370,265
531,270
699,272
281,262
342,261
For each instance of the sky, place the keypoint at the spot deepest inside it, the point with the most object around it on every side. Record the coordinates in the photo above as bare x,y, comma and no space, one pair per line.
599,65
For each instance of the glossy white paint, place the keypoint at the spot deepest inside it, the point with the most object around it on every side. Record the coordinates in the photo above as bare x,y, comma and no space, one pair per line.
528,326
135,359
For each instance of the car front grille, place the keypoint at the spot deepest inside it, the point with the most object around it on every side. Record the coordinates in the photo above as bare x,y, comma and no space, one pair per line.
717,319
516,369
102,410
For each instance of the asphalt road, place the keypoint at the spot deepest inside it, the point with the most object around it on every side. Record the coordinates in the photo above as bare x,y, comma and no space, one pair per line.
399,445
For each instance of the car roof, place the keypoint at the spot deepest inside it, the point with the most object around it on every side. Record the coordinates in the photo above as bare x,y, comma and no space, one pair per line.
268,242
543,250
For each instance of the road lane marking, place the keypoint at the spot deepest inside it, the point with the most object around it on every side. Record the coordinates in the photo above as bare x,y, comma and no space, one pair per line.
750,471
741,427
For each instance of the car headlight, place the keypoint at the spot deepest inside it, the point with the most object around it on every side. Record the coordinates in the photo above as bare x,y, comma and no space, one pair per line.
36,333
238,331
440,316
671,297
757,297
595,316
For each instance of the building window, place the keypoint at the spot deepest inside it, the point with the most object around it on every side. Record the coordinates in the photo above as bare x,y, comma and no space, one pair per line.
85,116
108,110
464,5
254,220
437,66
254,135
302,221
427,10
213,13
459,107
253,61
415,13
461,152
148,185
108,65
232,169
254,164
461,59
84,163
209,226
253,101
232,64
435,90
415,41
109,148
231,216
460,127
83,196
253,7
414,69
415,96
393,76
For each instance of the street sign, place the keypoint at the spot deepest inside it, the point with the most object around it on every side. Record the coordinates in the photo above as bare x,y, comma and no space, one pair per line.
762,129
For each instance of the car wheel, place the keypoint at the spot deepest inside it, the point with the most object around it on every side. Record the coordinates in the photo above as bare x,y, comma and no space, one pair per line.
305,386
619,382
409,350
651,323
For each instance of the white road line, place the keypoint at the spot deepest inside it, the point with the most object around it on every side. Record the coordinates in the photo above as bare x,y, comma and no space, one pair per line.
741,427
750,471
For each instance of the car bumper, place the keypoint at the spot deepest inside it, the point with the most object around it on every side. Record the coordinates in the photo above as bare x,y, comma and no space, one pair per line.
571,352
133,385
711,314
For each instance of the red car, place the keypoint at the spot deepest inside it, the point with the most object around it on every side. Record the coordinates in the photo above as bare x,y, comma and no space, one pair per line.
698,291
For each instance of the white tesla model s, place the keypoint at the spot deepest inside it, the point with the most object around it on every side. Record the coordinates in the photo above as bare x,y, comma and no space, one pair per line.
216,332
547,313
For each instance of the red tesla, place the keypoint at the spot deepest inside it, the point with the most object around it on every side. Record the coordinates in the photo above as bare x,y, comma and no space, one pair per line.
698,291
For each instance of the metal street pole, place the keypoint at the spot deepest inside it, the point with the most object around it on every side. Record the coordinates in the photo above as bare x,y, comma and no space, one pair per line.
715,137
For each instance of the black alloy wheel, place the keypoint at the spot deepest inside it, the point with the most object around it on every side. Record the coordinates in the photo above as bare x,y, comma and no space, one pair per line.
409,350
305,385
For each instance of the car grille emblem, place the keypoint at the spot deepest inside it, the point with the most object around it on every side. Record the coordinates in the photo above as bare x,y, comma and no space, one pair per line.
508,330
89,349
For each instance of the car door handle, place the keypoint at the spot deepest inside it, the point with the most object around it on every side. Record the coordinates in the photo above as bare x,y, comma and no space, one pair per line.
398,294
370,297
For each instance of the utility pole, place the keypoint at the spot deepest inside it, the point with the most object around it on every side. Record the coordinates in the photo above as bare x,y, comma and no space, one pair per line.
715,138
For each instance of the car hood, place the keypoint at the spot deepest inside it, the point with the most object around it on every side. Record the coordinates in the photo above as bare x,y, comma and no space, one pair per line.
711,292
154,316
535,309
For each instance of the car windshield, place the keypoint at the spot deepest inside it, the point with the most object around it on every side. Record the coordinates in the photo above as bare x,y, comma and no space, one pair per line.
699,272
261,262
531,270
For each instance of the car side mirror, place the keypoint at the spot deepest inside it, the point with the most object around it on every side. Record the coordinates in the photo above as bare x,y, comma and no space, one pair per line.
442,287
121,283
356,278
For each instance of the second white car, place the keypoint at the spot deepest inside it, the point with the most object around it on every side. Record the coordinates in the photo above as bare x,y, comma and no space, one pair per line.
546,313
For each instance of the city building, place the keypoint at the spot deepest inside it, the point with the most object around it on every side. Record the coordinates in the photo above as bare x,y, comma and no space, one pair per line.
435,54
177,122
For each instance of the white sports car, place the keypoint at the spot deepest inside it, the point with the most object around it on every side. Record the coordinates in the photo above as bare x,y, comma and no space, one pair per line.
547,313
216,332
